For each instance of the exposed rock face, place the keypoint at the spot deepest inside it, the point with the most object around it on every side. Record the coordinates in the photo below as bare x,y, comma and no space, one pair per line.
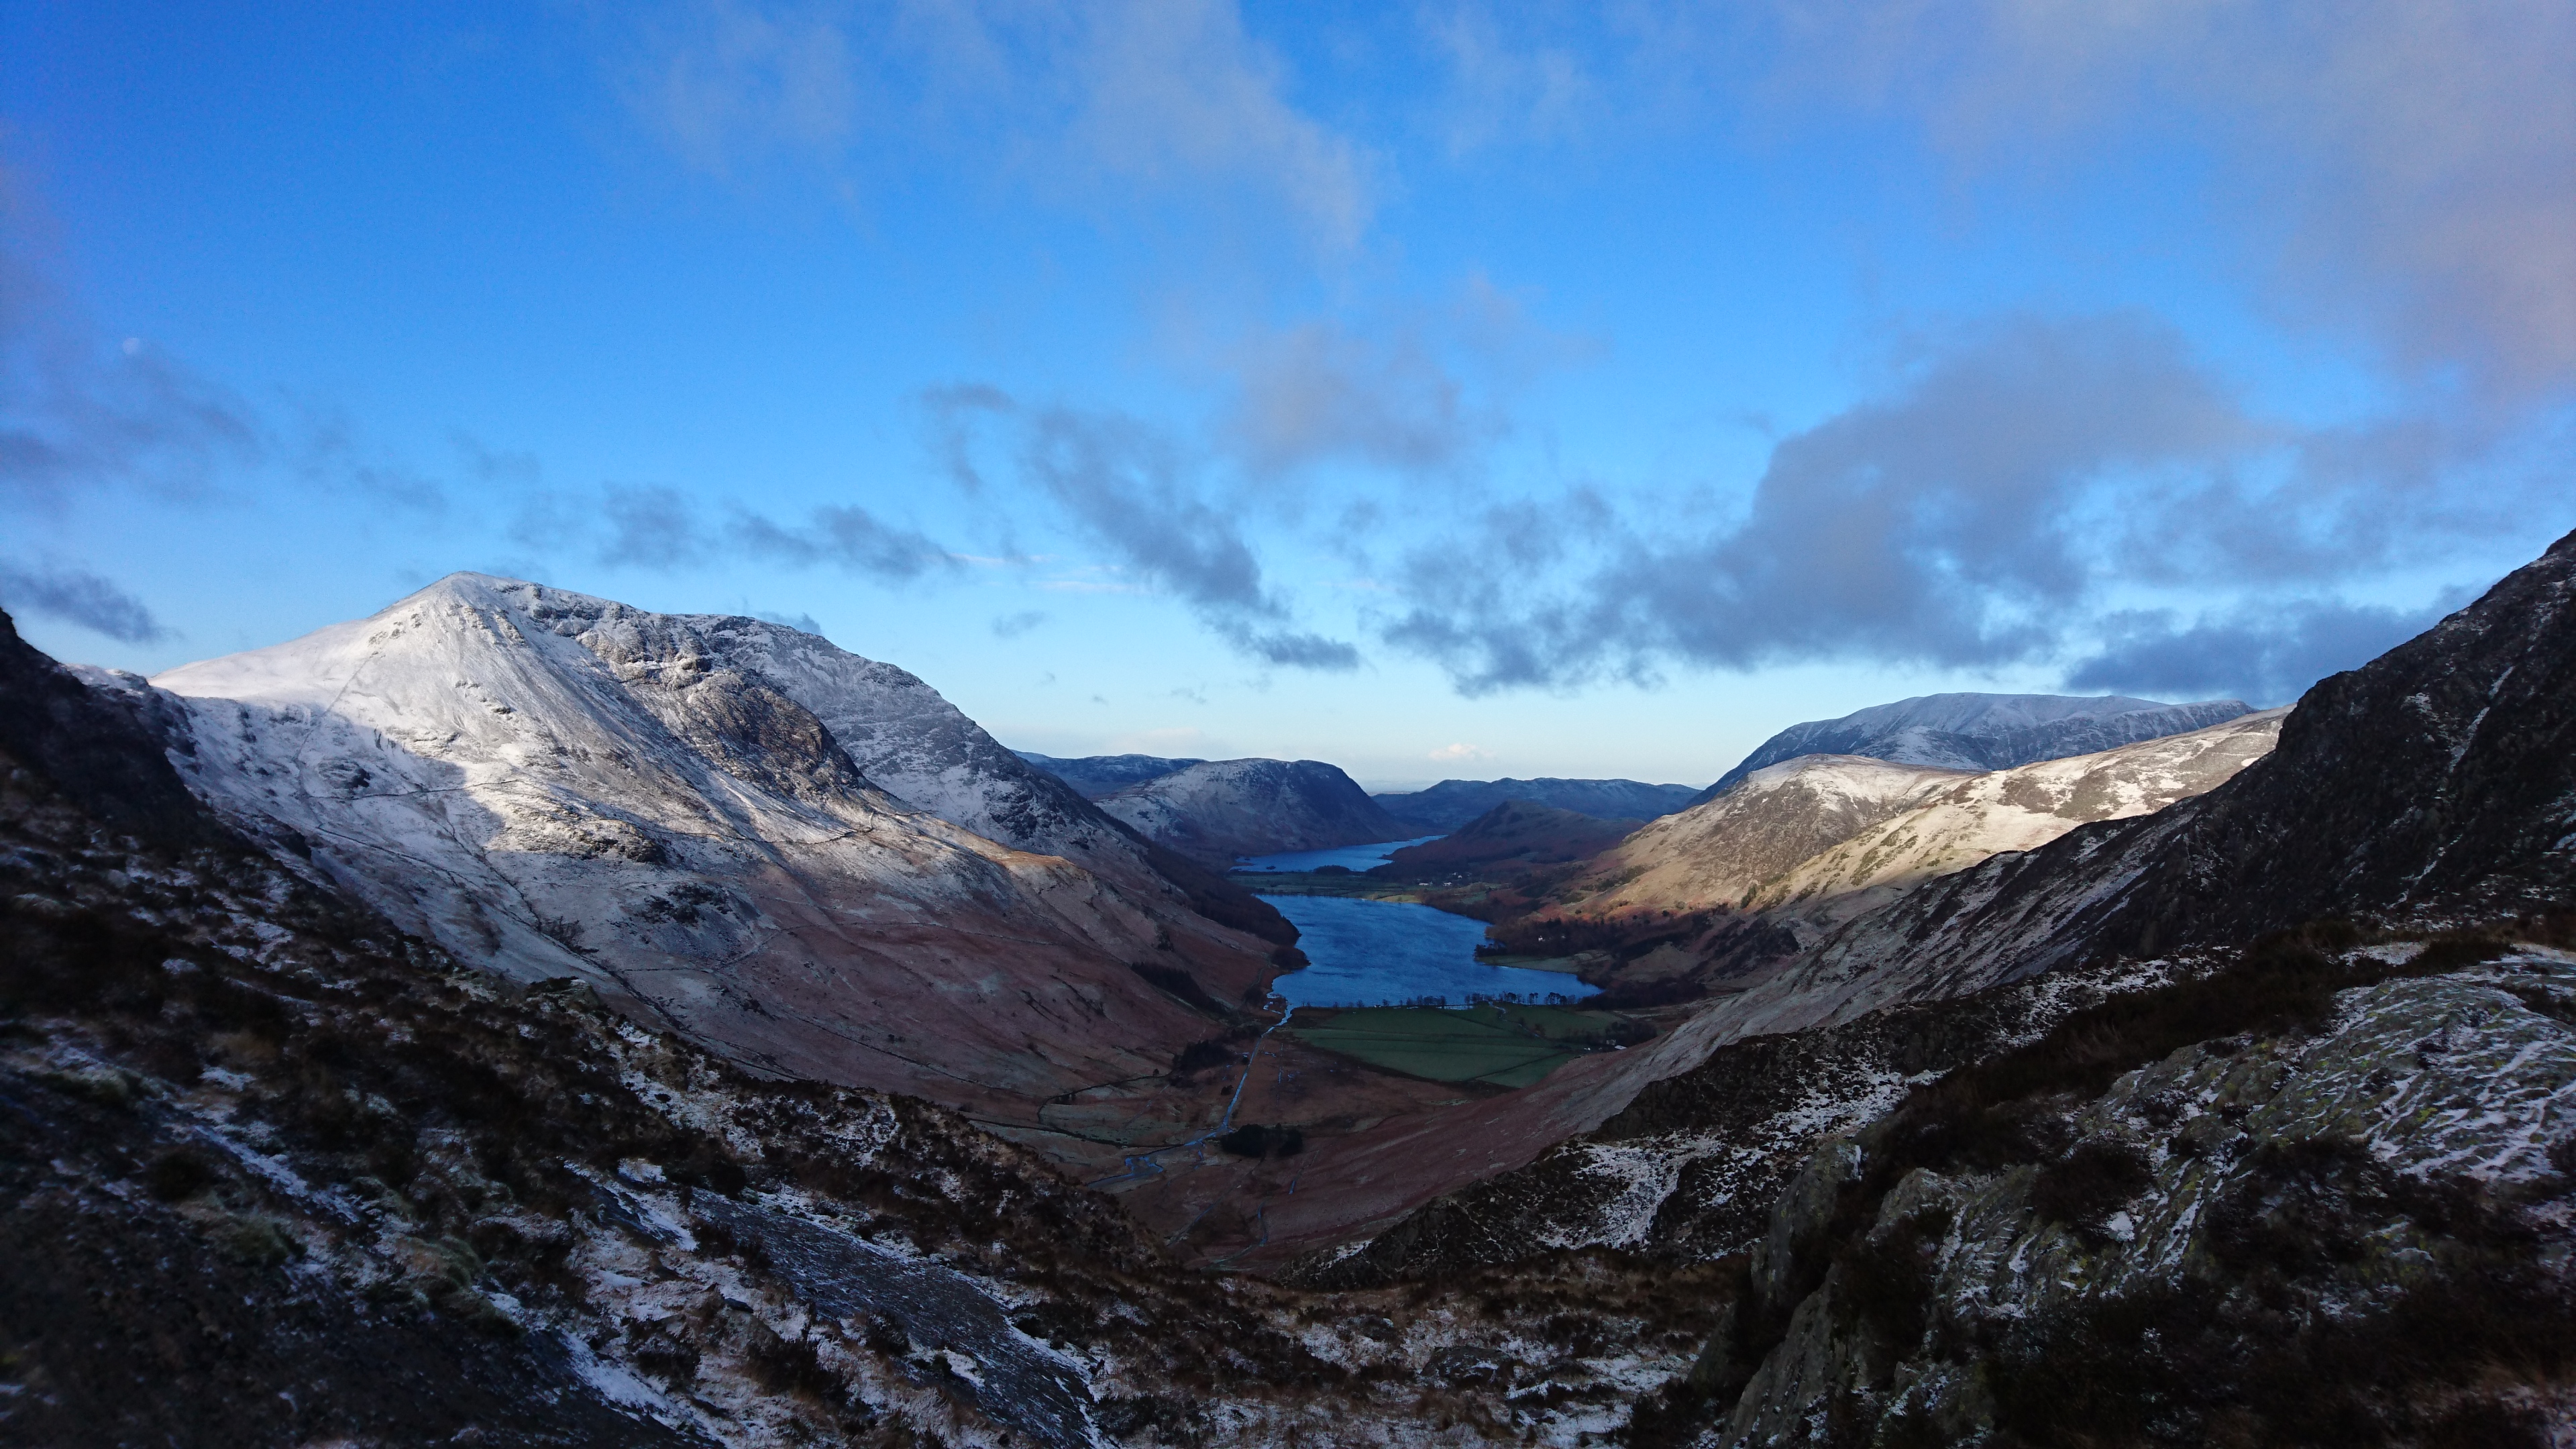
551,785
1983,731
2356,1228
1453,803
1098,775
2439,777
1222,809
1511,839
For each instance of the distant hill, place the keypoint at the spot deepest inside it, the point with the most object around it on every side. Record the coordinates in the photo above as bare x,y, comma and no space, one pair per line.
1093,776
1216,810
1828,836
1513,838
1453,803
1983,731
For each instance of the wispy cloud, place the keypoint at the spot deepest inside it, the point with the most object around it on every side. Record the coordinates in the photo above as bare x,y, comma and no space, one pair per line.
1135,492
1144,97
1410,390
849,538
77,596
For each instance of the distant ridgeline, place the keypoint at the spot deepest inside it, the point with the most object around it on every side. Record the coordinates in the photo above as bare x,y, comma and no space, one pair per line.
1097,775
1213,811
1983,731
1453,803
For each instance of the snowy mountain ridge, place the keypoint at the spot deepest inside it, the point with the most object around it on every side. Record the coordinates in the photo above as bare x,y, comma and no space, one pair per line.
674,809
1983,731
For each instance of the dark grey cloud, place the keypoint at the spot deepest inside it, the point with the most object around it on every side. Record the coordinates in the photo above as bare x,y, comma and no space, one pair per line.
1972,517
845,537
2268,655
77,596
1132,490
660,527
1012,626
1945,524
1290,648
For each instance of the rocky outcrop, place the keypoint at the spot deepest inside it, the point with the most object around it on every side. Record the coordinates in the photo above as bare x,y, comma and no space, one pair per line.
1452,803
2438,779
2250,1237
1097,775
1983,731
1512,839
1220,810
664,806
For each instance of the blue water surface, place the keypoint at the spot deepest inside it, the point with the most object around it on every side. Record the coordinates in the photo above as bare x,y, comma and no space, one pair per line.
1352,857
1388,953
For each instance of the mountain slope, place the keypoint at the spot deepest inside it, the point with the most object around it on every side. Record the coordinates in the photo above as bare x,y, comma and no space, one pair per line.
2440,777
1096,775
554,786
1216,811
1982,731
2014,810
1722,852
1453,803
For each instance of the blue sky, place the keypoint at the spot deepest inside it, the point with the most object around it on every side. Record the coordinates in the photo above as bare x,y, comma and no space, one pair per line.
1439,390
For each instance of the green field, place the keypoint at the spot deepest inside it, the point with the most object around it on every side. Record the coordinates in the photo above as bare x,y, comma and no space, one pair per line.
1497,1044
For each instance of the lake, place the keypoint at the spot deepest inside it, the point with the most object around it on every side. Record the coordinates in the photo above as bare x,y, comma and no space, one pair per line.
1388,953
1349,857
